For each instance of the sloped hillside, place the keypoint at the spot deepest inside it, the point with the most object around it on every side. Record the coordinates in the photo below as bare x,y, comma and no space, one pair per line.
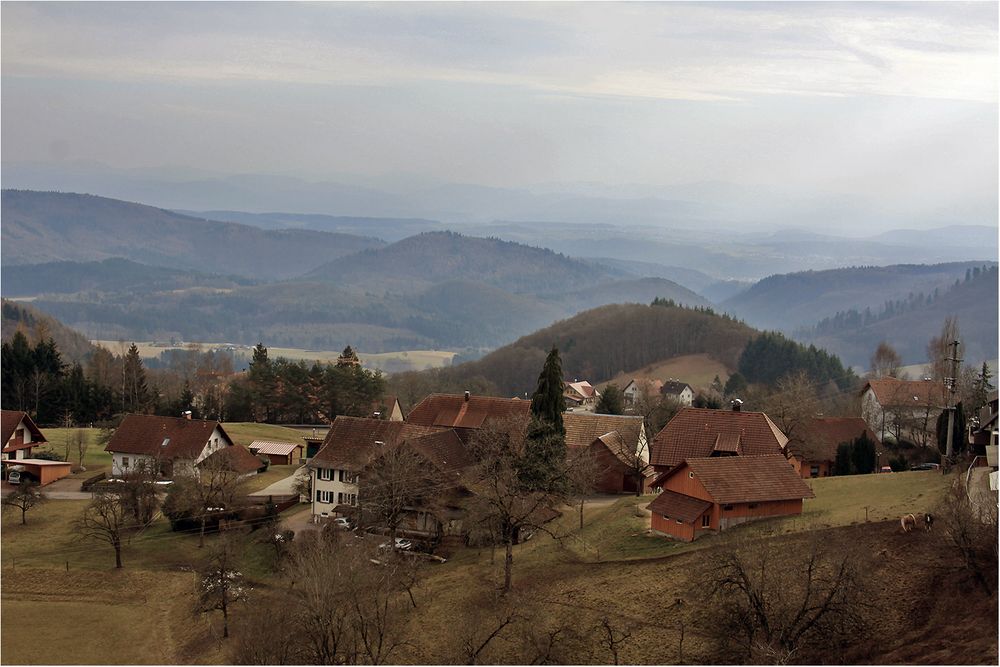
72,345
786,302
597,345
54,226
910,325
111,275
417,262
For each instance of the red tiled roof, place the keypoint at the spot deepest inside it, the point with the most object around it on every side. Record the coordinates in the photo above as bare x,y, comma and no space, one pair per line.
898,393
817,439
695,432
582,429
584,389
350,442
444,449
678,506
236,459
168,437
746,479
453,411
9,419
674,387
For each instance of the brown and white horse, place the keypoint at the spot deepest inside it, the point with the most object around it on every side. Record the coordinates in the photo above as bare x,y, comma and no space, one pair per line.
908,522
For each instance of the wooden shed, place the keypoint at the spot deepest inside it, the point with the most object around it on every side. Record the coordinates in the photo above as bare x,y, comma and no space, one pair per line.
279,453
41,471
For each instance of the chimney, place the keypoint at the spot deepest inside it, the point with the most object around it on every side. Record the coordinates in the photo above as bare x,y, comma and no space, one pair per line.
467,397
186,414
737,405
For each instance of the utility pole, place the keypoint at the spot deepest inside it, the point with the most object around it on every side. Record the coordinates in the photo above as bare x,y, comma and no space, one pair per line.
952,384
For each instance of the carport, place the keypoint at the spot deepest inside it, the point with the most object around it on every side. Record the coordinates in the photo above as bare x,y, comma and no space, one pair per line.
41,470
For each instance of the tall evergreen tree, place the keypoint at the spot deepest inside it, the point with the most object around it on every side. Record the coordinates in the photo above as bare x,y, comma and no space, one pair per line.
137,397
545,446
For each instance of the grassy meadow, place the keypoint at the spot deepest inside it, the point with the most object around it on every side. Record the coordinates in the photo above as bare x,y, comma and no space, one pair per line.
612,567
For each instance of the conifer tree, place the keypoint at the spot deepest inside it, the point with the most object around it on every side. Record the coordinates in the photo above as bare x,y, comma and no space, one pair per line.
545,447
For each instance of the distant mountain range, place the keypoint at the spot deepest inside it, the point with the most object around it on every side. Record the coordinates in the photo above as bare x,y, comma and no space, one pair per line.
51,226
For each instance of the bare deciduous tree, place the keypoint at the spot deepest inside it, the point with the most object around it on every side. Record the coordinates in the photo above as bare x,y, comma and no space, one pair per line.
769,604
107,519
79,443
397,482
971,528
794,401
502,505
221,584
23,498
885,362
612,637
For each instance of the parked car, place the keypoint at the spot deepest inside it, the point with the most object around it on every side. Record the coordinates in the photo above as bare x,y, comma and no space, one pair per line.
401,544
926,466
885,469
342,522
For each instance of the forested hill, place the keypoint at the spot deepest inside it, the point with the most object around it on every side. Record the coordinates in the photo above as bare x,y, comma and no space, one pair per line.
54,226
908,324
71,344
789,301
110,275
594,345
420,261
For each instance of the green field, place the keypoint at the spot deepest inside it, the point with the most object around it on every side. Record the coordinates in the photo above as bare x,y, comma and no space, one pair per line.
415,360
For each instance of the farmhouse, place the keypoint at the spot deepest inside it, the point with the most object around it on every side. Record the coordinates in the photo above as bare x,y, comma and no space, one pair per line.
617,442
813,449
19,435
464,412
678,391
713,494
636,390
902,409
278,453
350,443
173,445
700,433
580,394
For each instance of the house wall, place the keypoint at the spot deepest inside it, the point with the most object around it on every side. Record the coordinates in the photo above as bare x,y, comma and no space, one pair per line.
334,486
49,474
674,528
214,443
743,512
25,438
396,413
804,468
118,467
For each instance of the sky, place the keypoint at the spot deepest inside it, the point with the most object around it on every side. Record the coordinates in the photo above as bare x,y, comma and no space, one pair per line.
894,103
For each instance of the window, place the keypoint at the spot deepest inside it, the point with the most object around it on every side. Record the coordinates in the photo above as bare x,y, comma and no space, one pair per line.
706,520
679,521
352,499
727,508
324,496
342,476
666,518
124,461
691,475
325,474
340,498
814,471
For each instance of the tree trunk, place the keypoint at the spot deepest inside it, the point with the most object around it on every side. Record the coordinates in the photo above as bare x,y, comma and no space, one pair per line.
225,618
118,554
201,532
392,537
24,511
581,513
508,564
638,483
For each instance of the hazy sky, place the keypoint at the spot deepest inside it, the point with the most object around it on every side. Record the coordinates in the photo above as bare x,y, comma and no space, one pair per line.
891,101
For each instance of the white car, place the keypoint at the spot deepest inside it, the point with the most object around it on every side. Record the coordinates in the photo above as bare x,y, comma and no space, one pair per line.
401,545
342,522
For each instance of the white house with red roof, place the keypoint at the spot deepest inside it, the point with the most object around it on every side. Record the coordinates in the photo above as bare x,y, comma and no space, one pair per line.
19,435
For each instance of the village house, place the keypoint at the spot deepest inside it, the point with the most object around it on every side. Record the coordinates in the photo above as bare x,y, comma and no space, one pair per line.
696,433
236,459
278,453
903,409
580,394
349,444
713,494
812,450
388,408
19,435
678,391
173,445
617,443
636,390
466,413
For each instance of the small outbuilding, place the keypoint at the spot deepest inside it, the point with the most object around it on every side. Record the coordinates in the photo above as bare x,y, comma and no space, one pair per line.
39,471
278,453
713,494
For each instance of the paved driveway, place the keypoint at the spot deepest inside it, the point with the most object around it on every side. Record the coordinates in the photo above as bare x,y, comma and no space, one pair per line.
282,487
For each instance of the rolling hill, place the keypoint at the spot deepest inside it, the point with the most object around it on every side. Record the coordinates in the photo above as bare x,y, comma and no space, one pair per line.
789,301
908,326
420,261
53,226
596,345
110,275
72,345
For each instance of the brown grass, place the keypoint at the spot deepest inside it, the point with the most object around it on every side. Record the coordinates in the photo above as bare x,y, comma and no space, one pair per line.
698,370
